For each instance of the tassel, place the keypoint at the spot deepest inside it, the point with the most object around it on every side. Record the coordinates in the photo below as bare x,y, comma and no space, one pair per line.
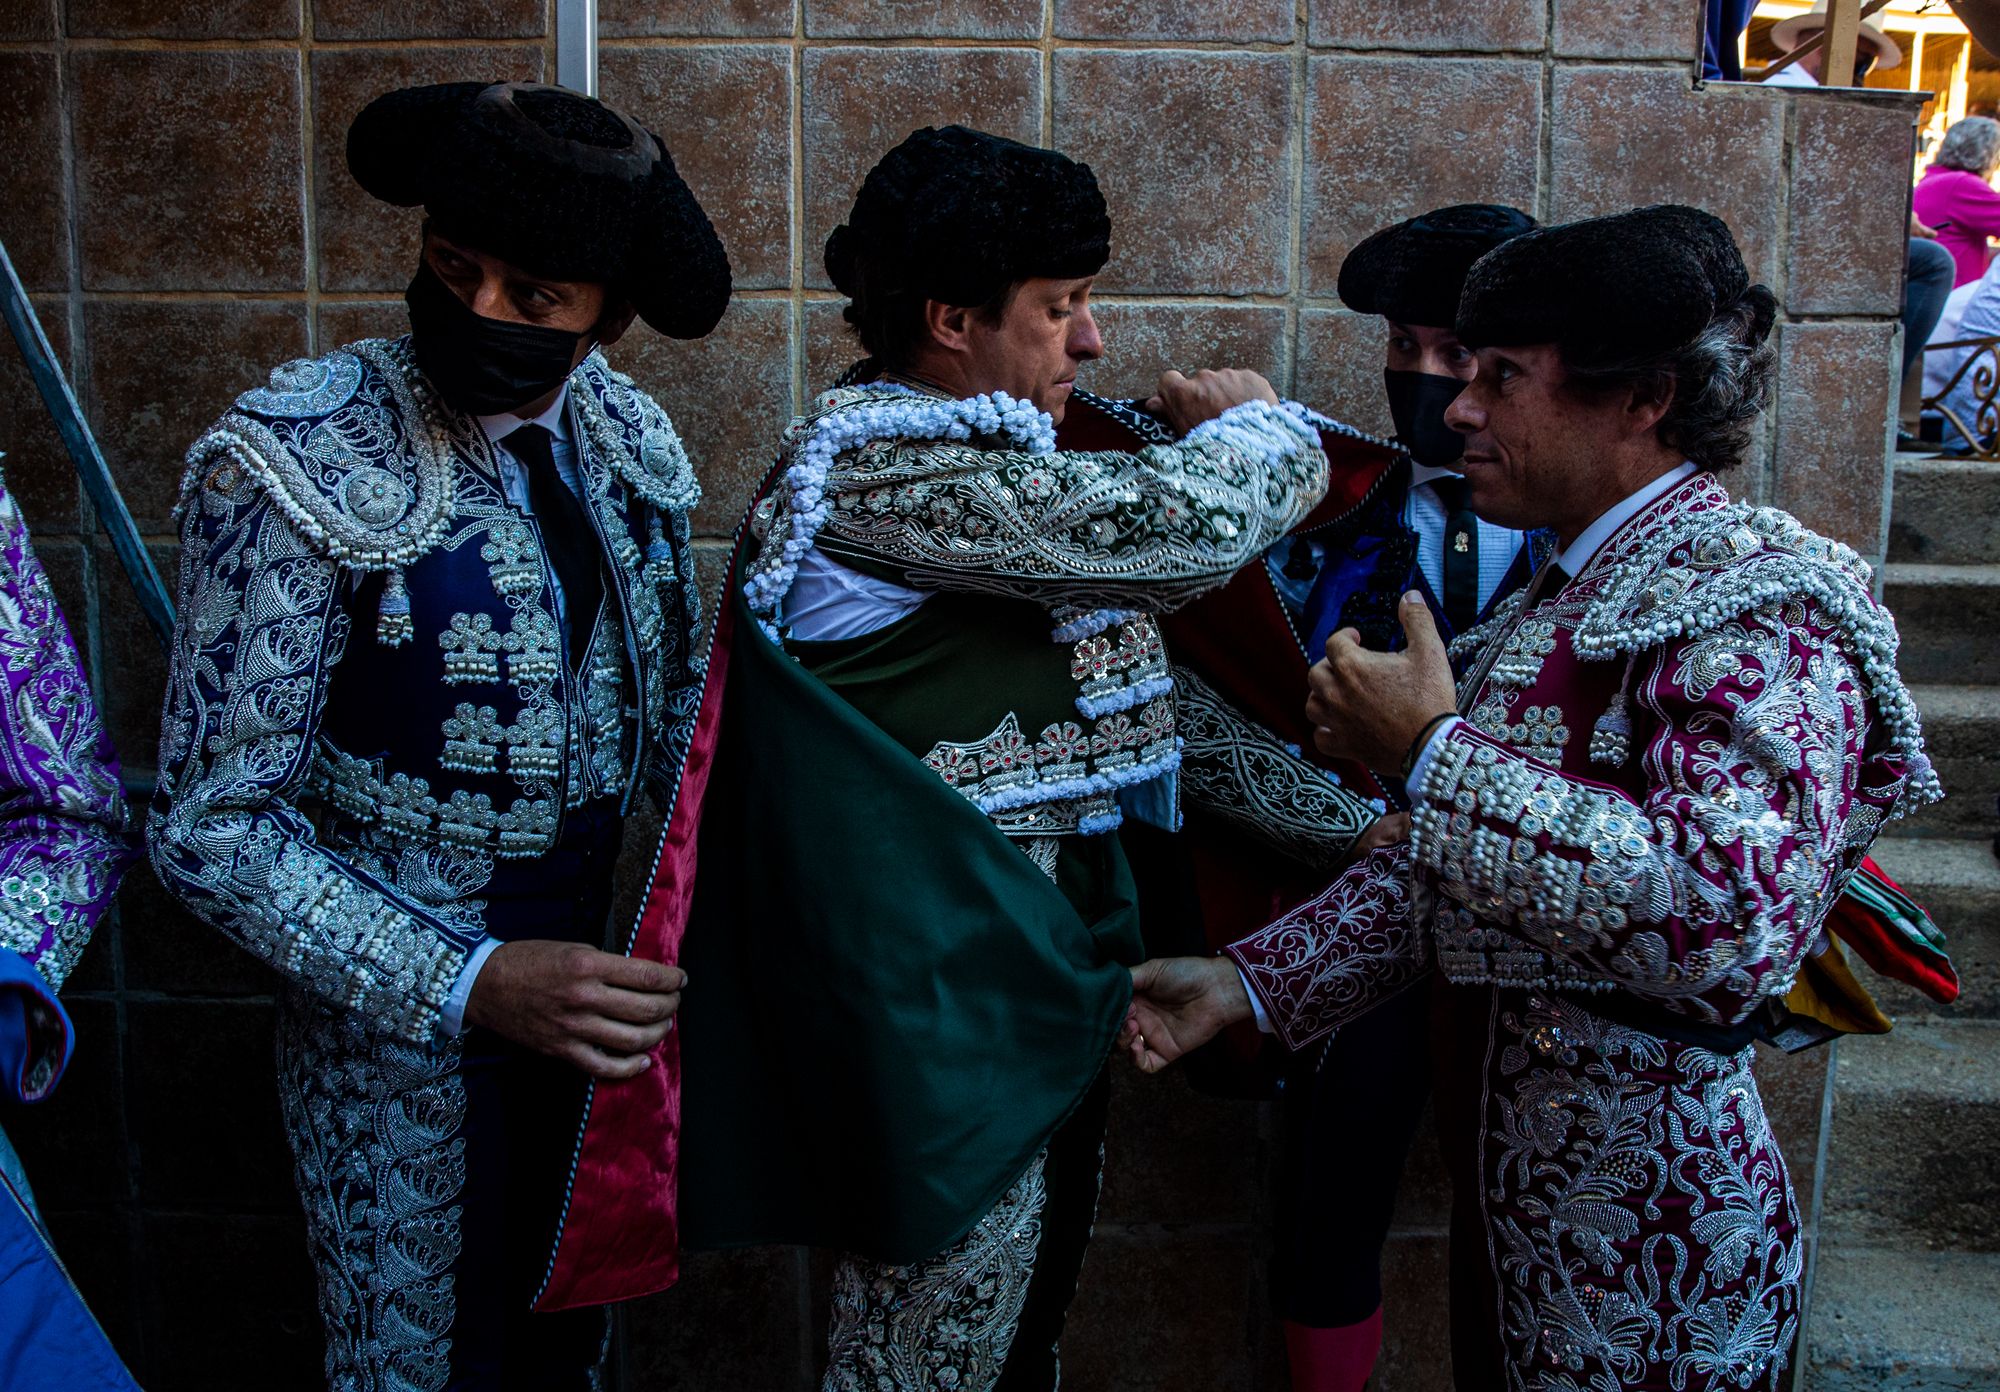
659,555
1611,737
392,617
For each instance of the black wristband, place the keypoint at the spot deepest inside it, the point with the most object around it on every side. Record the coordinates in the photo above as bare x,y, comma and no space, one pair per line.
1423,738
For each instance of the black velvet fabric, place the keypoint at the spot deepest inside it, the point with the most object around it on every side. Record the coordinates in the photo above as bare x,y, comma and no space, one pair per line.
1412,272
555,182
957,215
1612,290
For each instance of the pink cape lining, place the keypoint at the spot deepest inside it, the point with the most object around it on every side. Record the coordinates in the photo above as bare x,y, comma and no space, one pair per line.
620,1233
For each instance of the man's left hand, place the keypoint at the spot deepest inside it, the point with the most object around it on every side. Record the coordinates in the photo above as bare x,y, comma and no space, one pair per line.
1368,706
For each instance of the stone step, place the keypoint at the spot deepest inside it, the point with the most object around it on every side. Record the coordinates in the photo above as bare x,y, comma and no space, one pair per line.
1892,1321
1959,883
1962,732
1949,616
1914,1161
1945,511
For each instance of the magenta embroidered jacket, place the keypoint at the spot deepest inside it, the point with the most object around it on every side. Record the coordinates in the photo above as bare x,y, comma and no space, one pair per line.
62,817
1667,773
1665,778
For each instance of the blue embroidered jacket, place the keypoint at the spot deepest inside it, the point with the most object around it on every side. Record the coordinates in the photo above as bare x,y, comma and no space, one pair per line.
371,705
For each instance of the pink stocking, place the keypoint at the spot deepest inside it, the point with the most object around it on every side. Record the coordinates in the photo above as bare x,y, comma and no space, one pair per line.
1333,1360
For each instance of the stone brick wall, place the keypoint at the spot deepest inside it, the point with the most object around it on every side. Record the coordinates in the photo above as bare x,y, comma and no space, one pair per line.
173,193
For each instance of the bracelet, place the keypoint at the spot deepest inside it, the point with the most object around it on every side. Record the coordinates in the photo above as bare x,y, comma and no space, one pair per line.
1423,738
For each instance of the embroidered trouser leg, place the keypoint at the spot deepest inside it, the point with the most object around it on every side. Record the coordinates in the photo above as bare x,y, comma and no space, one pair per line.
953,1323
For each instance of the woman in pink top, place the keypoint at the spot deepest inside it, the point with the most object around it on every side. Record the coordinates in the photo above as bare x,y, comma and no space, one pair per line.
1955,198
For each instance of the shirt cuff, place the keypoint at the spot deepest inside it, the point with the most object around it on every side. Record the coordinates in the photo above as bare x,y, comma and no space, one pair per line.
451,1020
1423,760
1257,1011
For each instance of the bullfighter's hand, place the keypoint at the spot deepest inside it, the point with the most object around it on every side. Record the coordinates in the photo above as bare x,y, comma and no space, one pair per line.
598,1010
1188,401
1368,706
1178,1005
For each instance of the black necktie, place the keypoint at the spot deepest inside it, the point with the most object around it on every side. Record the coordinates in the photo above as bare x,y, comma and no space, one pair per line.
1461,554
566,533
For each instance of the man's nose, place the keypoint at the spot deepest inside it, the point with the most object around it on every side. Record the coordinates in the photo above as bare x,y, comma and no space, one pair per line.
1085,343
1463,416
489,299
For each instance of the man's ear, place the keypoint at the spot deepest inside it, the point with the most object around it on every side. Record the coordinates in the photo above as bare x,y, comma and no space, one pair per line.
950,326
611,325
1647,406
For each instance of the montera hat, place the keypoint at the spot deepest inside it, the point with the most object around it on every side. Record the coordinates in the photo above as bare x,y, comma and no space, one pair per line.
957,215
1412,272
1613,291
557,183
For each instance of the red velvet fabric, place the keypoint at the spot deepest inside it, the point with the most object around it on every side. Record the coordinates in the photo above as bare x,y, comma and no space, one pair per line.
620,1235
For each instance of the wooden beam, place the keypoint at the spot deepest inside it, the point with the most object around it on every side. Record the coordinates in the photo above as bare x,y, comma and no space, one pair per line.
1843,33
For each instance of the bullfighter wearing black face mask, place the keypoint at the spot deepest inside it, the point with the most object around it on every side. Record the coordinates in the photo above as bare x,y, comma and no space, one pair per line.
437,607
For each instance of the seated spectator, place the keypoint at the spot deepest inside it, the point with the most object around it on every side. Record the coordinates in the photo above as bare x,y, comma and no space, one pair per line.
1980,319
1956,197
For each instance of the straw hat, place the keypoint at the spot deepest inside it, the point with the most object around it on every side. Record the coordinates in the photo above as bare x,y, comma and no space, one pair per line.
1788,34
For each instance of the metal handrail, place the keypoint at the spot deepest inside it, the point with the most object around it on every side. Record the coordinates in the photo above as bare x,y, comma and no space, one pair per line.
1983,436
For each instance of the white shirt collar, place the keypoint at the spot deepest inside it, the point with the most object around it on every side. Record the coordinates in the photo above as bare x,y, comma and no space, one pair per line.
554,420
1577,554
1421,474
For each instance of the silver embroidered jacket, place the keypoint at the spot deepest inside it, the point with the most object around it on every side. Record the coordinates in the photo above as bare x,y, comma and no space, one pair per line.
371,698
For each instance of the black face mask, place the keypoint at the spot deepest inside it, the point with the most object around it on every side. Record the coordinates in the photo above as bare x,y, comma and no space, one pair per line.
1417,402
482,366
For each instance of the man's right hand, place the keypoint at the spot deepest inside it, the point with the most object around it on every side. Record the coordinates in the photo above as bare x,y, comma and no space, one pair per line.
1178,1005
597,1010
1188,401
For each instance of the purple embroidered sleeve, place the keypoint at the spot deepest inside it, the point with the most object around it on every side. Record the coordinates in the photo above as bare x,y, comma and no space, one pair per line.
62,815
1762,793
1341,954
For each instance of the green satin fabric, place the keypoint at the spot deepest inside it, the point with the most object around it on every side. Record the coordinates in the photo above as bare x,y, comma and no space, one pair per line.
889,1009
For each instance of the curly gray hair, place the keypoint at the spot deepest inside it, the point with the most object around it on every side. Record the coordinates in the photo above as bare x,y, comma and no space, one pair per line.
1972,145
1719,383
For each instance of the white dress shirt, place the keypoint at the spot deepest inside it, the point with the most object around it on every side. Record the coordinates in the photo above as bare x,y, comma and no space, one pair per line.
514,483
1424,514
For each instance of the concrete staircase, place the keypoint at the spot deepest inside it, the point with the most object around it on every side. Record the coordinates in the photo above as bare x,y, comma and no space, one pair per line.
1906,1293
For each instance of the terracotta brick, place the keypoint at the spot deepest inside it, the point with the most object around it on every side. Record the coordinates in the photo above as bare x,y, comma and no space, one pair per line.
729,394
831,347
167,948
1161,1313
429,19
28,20
74,1145
956,19
1625,137
860,103
344,322
132,669
161,372
1194,154
365,244
96,1249
38,469
254,1264
1357,108
1850,204
734,1320
725,113
703,18
183,19
1589,29
174,1045
1219,1155
1836,394
188,170
1252,21
1142,341
1489,26
34,202
1340,367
